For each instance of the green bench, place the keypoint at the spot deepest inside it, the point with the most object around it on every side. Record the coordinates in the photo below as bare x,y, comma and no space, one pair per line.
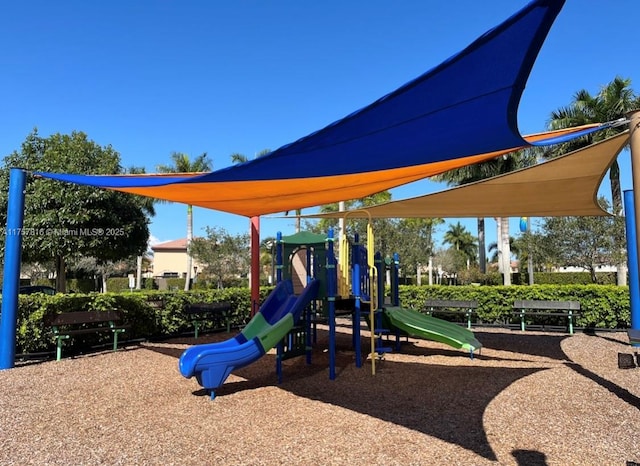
219,313
70,324
452,307
538,308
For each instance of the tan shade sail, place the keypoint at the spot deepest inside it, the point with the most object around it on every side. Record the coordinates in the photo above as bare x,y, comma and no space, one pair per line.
565,186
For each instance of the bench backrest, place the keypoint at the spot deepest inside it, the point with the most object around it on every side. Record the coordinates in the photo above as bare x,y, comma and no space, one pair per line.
83,317
549,305
208,307
444,303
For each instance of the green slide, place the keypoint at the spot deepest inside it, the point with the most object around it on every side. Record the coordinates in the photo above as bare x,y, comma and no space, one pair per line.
423,326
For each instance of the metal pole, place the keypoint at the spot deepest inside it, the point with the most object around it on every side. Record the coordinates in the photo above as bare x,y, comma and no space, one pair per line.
11,282
332,276
279,258
530,259
634,145
632,259
255,265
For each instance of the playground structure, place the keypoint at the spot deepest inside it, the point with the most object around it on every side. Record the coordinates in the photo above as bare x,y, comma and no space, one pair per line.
314,287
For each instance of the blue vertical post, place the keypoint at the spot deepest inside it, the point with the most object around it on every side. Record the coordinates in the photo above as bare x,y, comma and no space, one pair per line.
632,258
11,283
355,290
332,277
395,278
311,274
279,247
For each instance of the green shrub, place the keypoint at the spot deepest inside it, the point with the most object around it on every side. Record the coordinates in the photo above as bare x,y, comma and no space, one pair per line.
157,314
140,309
602,306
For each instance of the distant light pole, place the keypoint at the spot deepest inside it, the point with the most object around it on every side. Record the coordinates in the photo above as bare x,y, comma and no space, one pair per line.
525,227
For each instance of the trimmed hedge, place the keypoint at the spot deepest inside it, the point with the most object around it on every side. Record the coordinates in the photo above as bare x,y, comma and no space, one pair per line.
602,306
158,314
148,319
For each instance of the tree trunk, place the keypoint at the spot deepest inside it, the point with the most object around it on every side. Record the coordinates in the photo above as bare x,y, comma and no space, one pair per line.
187,281
61,277
616,192
499,244
139,273
506,251
298,220
616,201
482,250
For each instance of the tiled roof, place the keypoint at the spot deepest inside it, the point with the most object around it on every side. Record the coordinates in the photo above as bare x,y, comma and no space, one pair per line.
180,244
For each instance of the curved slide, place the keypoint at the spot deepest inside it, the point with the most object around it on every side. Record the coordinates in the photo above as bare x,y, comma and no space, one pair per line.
212,363
423,326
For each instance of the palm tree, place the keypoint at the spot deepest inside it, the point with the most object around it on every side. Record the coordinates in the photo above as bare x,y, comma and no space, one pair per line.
182,164
611,103
514,247
481,171
461,240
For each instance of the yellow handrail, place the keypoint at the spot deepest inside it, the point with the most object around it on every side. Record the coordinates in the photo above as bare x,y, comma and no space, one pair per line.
373,278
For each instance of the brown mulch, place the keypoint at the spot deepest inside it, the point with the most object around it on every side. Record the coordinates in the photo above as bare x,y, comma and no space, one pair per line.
530,398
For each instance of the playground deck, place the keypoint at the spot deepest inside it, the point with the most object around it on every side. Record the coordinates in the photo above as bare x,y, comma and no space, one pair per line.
530,398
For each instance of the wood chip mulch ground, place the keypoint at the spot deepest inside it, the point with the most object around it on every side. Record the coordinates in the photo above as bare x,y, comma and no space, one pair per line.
530,398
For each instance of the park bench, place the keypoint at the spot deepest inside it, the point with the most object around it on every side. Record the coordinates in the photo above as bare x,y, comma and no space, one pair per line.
538,308
71,324
218,313
634,336
452,307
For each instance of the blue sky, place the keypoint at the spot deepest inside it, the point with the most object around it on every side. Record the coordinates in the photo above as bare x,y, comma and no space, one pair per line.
154,76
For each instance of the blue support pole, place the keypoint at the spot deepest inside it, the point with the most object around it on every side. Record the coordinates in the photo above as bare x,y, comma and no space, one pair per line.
279,247
311,274
355,290
332,277
632,259
395,294
11,282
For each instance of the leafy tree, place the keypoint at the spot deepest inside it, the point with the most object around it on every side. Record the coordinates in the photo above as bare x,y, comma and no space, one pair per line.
584,242
542,252
267,257
224,257
447,261
101,271
412,239
183,164
64,221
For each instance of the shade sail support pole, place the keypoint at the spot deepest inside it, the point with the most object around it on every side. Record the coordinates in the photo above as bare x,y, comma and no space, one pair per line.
255,265
634,144
11,280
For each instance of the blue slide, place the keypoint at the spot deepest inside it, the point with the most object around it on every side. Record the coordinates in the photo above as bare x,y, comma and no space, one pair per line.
212,363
